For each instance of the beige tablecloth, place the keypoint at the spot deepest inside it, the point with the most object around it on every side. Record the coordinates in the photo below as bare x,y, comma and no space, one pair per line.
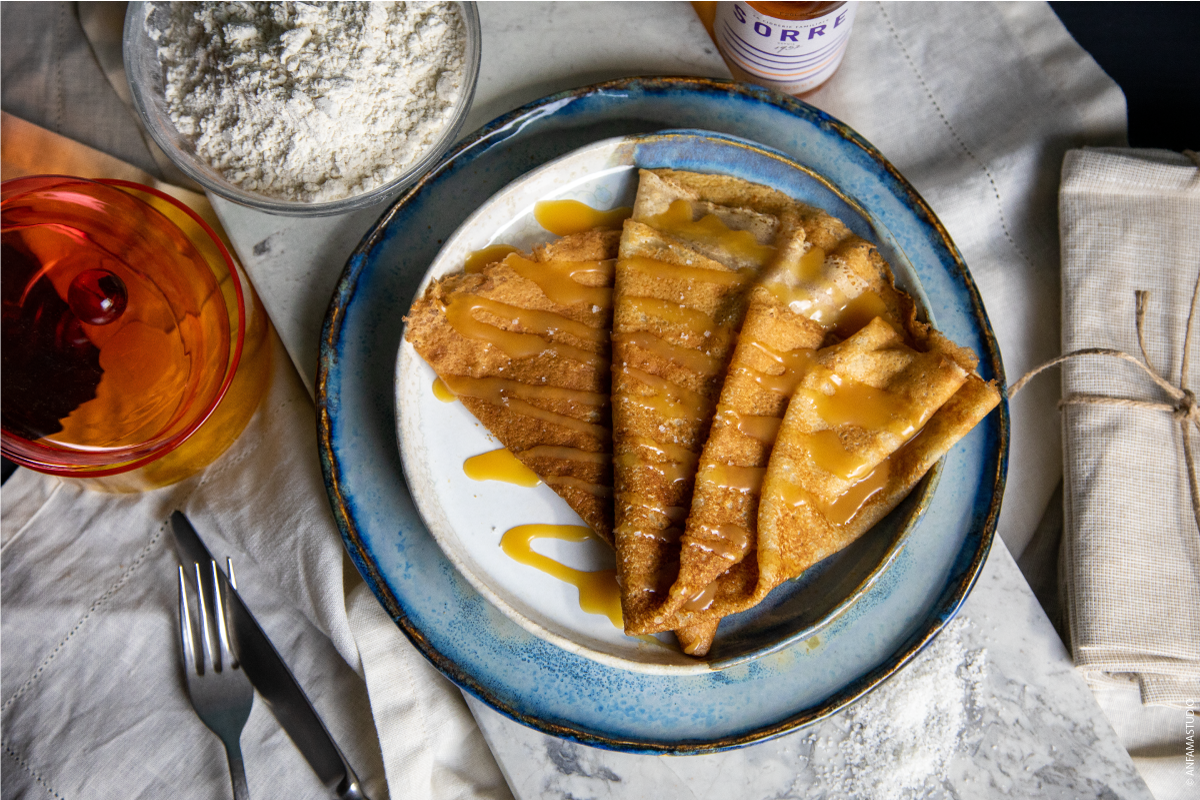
975,104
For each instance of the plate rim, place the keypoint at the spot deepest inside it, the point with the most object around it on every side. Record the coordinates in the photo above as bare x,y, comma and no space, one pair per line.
938,615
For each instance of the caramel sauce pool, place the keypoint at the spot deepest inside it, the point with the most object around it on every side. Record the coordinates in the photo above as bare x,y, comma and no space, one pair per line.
499,465
565,217
598,592
479,259
442,392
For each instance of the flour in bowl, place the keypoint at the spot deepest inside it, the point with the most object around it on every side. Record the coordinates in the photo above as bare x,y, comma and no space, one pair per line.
311,102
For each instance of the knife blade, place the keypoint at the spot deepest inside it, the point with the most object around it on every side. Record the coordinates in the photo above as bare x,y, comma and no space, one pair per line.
272,678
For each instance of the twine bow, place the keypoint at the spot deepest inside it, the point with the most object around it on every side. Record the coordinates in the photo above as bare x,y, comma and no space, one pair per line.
1183,405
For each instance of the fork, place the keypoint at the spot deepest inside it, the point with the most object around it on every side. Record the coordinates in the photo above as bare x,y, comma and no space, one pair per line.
220,691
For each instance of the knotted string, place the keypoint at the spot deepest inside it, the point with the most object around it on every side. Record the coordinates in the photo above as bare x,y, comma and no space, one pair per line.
1182,406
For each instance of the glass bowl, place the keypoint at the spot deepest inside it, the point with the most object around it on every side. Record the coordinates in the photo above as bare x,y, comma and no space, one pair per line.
146,83
122,333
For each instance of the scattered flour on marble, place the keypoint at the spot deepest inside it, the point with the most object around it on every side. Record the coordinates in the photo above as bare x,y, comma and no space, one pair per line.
902,735
310,101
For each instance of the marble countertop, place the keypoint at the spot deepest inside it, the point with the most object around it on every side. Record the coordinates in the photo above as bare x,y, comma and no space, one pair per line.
1020,723
1026,725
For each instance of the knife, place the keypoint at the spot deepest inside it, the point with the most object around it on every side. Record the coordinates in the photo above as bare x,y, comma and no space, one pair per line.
272,678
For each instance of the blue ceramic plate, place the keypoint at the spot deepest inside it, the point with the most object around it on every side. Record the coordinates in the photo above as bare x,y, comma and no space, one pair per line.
500,662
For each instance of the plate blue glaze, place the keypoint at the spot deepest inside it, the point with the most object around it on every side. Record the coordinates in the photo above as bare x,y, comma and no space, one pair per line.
525,677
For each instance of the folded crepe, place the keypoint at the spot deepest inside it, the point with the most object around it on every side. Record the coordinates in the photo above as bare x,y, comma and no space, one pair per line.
827,296
869,416
820,275
693,247
524,344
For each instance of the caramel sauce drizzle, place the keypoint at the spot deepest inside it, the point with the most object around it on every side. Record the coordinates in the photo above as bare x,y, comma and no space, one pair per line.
668,535
711,231
557,281
847,505
442,392
662,406
703,598
500,465
566,454
519,406
597,489
729,541
598,591
807,290
479,259
499,390
733,478
565,217
764,429
460,315
795,363
672,472
696,360
854,315
829,454
849,402
659,270
696,323
677,393
669,451
674,515
508,393
841,510
603,269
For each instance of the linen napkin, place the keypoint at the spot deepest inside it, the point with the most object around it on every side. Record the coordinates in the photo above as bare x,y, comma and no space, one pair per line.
1130,221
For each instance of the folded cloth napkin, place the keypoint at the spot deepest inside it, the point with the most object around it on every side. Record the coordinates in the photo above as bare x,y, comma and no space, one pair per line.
1130,567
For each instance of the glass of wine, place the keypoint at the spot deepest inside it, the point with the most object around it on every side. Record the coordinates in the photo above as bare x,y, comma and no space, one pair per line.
125,321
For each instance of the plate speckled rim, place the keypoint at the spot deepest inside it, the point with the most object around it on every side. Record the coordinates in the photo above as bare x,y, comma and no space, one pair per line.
484,652
468,518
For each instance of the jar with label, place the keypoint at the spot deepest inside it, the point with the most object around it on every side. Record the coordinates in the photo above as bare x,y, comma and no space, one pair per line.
792,47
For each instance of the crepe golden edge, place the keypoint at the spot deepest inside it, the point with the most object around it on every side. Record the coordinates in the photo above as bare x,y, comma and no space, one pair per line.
575,421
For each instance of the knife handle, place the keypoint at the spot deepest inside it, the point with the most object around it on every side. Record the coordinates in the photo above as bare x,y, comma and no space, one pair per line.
351,792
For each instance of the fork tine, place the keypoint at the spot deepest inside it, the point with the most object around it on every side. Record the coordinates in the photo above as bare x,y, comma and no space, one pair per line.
219,613
229,572
205,637
186,632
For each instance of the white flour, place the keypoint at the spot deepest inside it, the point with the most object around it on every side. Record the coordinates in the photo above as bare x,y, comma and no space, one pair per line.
902,736
311,101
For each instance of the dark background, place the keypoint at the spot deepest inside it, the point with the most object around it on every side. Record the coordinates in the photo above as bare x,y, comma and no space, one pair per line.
1152,50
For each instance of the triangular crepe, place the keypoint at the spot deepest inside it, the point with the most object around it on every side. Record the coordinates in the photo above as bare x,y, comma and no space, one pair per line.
694,245
524,344
837,286
856,404
801,493
816,289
